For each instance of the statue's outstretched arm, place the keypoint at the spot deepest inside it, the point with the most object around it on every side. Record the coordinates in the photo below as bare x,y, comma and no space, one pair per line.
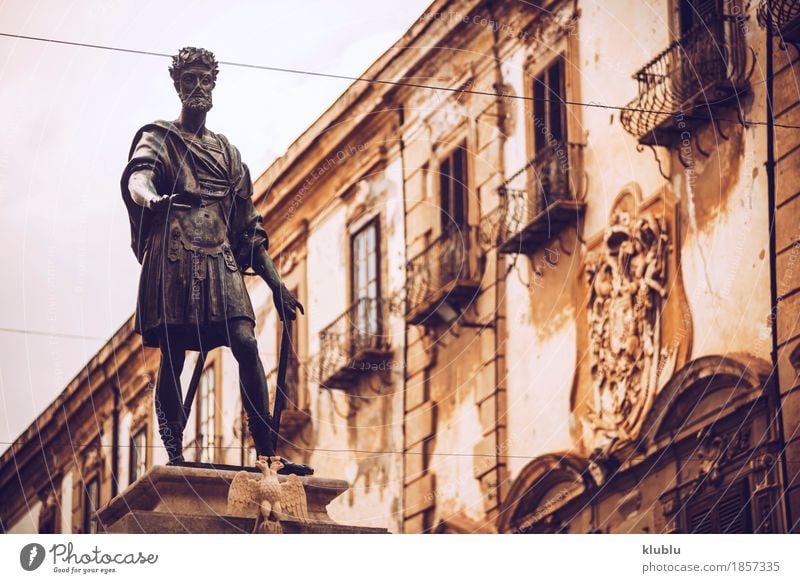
142,190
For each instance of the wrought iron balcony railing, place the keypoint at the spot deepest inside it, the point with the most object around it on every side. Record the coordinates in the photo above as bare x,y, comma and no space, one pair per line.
444,275
537,202
354,343
706,68
784,16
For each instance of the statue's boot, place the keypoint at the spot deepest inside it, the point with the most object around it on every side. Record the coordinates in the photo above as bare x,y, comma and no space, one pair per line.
172,438
261,430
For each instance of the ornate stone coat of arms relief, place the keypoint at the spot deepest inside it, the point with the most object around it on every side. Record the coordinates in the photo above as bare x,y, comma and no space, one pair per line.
632,343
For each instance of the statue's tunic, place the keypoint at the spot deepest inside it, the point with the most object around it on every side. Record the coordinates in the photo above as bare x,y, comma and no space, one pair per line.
194,249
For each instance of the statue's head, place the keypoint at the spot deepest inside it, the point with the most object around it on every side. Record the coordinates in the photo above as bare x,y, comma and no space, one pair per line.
194,74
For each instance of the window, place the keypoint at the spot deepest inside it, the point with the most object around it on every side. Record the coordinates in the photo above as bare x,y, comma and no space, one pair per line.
366,282
692,13
453,189
137,462
549,109
729,514
206,416
91,502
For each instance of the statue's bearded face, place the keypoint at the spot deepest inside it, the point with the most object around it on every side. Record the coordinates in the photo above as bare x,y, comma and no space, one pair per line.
194,86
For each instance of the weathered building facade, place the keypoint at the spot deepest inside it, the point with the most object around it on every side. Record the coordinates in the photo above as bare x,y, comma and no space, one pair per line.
542,291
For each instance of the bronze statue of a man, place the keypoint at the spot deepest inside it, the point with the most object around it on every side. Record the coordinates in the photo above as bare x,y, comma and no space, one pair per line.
195,230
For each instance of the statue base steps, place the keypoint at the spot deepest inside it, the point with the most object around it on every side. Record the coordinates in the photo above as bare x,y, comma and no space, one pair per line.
194,499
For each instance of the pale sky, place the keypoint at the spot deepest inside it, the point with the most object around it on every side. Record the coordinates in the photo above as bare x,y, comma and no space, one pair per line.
67,117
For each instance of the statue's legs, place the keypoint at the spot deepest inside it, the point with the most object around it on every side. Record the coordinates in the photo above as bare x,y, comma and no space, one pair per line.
252,383
168,400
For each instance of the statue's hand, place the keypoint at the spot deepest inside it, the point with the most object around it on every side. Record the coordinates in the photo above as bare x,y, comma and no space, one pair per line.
286,304
158,202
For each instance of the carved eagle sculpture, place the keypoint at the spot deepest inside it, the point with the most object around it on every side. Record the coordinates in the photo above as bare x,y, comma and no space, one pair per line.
267,498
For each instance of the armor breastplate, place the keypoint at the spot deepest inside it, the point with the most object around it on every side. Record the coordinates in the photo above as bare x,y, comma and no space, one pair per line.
198,228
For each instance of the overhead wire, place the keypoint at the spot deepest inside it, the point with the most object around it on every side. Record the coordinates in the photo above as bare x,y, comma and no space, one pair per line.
410,84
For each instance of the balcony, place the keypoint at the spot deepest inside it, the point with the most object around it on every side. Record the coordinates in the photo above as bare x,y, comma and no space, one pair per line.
355,343
295,415
784,16
706,69
443,276
537,202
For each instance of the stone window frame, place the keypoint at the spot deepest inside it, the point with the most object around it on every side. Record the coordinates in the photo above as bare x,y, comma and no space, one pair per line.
142,430
563,46
88,517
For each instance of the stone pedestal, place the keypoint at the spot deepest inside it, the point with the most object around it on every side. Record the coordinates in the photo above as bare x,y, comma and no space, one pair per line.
194,499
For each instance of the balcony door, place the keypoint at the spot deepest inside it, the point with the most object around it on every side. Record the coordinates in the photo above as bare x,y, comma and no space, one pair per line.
364,324
693,13
453,189
550,180
701,49
450,256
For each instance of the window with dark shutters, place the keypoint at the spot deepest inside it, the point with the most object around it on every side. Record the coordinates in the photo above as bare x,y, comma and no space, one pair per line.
726,514
453,189
549,107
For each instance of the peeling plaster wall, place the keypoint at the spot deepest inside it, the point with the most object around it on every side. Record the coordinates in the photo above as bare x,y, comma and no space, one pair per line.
724,247
358,432
607,64
540,373
725,252
457,490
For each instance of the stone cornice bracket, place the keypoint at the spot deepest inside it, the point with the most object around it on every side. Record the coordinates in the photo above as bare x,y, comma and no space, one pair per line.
140,411
548,28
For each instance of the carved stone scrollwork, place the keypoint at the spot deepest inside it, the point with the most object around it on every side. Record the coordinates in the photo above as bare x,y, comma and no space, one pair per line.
365,196
627,279
550,27
666,519
49,498
763,467
140,411
288,262
716,451
638,326
93,458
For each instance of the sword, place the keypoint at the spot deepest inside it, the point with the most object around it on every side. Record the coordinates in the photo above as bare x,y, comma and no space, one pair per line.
280,383
192,390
